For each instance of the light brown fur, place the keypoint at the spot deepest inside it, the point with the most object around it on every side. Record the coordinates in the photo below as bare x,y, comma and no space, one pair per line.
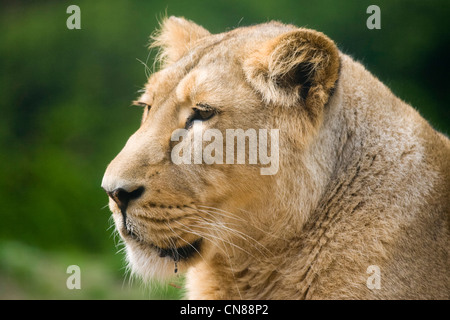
363,179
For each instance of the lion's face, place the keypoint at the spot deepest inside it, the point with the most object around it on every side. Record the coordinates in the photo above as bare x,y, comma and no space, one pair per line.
167,211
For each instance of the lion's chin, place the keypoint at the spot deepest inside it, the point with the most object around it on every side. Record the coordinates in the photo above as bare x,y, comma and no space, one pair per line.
152,263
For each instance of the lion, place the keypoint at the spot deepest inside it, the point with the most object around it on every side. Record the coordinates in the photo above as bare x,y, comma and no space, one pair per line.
358,208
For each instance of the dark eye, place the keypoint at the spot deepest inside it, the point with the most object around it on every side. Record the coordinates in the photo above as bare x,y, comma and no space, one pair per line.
142,104
201,113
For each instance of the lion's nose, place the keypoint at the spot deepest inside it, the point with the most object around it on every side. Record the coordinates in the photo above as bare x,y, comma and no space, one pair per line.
123,197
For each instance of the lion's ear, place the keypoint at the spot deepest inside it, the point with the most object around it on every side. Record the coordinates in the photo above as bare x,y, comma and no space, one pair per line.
298,67
176,37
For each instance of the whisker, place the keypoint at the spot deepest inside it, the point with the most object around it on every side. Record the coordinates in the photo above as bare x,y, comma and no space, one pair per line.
232,215
225,241
208,236
233,245
239,234
266,232
225,213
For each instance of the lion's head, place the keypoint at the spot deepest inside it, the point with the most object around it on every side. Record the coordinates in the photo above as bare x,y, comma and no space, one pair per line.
260,79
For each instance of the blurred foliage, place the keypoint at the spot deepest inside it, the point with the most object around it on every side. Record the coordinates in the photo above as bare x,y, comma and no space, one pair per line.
65,97
30,273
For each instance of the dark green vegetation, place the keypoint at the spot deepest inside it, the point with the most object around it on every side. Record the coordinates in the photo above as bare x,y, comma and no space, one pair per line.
65,96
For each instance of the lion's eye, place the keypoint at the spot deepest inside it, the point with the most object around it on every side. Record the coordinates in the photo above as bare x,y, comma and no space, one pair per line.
142,104
201,113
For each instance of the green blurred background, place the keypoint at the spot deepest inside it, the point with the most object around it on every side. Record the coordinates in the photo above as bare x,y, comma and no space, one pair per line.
65,97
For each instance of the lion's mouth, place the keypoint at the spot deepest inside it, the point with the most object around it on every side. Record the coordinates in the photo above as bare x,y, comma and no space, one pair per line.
176,251
182,253
179,253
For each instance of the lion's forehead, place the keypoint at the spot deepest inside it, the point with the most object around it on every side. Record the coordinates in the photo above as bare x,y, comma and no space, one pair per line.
209,80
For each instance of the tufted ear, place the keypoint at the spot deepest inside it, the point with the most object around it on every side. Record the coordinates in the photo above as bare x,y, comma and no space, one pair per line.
299,67
176,37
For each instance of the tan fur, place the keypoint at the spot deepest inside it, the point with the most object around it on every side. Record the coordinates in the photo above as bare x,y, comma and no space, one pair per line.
363,179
